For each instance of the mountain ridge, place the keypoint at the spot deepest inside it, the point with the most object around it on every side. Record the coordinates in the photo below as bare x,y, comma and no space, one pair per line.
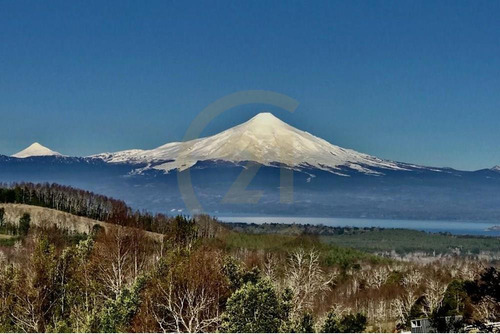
264,139
36,150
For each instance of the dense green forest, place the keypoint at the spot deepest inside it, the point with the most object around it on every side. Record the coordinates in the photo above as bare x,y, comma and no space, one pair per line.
198,275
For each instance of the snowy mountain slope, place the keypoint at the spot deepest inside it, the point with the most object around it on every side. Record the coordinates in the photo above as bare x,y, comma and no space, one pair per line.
36,150
264,139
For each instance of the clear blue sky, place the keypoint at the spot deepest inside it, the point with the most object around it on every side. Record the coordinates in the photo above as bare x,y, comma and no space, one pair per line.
413,81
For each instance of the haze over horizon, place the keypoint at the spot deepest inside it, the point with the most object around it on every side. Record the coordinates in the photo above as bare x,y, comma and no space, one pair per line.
411,82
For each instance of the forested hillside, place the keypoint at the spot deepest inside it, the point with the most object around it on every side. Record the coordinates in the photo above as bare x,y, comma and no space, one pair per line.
81,203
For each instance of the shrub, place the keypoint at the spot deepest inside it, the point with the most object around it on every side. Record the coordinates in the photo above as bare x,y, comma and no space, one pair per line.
305,324
254,308
24,224
349,323
2,215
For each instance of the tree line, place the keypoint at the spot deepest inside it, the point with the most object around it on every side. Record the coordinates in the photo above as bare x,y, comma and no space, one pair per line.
82,203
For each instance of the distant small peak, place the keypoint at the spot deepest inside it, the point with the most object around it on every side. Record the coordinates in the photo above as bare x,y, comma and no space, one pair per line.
35,150
496,168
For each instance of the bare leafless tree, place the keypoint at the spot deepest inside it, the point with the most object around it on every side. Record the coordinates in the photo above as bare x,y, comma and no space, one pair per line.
306,279
434,294
188,299
186,309
469,270
270,269
116,265
412,279
376,278
401,306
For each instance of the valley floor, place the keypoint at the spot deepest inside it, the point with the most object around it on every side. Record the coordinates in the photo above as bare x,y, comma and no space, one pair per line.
389,242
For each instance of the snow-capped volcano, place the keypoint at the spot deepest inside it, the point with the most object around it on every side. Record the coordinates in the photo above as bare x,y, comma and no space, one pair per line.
264,139
35,150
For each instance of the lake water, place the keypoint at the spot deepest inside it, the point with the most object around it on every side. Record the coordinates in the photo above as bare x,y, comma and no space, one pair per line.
461,228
